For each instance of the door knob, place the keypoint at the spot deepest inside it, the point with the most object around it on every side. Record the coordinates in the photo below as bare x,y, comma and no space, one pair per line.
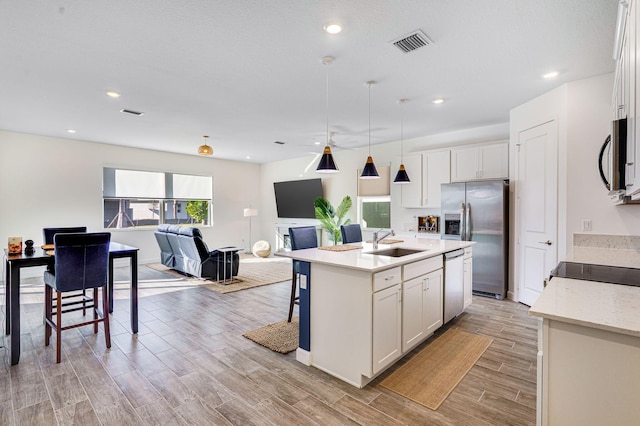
548,242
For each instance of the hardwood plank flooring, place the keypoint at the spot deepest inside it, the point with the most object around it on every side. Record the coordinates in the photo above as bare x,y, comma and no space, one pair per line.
189,364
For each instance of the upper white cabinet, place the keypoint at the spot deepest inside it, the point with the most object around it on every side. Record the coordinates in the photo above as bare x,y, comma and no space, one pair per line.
480,162
411,193
427,171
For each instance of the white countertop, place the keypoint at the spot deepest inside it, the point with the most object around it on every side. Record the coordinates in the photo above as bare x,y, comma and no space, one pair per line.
364,258
604,306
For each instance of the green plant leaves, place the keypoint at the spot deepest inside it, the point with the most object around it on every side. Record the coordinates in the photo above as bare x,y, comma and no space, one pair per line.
331,218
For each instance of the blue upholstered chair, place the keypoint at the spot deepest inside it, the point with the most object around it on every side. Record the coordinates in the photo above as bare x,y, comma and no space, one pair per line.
351,233
303,237
47,237
81,263
48,233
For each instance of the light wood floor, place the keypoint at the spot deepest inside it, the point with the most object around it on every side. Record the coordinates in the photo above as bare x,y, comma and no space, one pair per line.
189,364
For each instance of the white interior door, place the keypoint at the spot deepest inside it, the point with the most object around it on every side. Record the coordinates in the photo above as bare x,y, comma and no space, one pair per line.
537,198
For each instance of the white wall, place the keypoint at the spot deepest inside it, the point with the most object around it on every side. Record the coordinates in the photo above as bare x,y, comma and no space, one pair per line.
47,182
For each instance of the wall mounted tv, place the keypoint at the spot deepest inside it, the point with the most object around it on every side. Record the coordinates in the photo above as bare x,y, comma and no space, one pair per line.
294,199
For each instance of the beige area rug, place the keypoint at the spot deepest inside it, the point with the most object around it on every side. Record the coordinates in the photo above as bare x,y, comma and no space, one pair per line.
430,376
252,272
279,337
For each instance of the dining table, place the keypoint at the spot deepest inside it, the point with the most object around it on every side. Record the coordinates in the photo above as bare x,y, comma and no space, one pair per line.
14,262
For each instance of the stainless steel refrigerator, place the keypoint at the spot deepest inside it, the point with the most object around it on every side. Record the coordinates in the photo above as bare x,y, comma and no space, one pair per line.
479,211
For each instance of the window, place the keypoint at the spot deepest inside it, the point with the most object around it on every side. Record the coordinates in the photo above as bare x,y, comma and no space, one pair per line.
136,199
374,212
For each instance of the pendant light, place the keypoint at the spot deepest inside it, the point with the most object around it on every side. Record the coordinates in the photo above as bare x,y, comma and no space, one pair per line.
326,164
369,171
205,149
402,177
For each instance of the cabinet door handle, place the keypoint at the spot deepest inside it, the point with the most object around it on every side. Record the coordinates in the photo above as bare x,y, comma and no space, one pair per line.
426,282
390,277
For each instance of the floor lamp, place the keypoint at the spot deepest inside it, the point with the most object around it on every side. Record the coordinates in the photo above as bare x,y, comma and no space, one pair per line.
250,213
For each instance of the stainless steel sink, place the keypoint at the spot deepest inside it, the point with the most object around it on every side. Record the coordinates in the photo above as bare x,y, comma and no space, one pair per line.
396,252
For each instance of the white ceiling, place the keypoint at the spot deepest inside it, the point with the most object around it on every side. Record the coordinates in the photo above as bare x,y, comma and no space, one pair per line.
249,72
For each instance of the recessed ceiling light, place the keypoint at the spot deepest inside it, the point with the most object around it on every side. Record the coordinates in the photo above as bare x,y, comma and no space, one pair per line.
333,28
438,101
549,75
316,143
248,157
112,94
70,131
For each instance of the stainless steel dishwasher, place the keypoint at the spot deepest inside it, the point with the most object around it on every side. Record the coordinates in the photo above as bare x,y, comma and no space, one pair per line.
453,284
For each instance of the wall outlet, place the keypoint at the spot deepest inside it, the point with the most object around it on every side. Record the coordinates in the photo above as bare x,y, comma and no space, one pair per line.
586,225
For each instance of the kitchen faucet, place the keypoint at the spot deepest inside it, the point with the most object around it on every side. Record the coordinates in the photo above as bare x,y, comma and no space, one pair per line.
377,238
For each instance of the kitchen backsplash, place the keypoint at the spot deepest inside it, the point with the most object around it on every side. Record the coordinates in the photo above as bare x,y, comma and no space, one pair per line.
620,242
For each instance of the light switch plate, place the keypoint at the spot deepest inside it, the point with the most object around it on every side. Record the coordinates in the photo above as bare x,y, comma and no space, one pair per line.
303,282
586,224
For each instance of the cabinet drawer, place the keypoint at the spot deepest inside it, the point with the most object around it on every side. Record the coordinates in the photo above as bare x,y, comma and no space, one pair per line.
421,267
384,279
467,252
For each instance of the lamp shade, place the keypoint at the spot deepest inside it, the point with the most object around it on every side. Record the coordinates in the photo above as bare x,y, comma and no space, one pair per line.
369,171
250,212
326,164
205,149
402,177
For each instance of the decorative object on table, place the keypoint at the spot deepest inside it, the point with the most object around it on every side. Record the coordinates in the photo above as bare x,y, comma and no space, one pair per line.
250,212
261,248
341,247
332,218
15,245
205,149
434,372
28,249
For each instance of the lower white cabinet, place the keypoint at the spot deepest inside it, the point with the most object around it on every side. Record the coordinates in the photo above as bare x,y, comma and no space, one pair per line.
467,277
387,327
421,308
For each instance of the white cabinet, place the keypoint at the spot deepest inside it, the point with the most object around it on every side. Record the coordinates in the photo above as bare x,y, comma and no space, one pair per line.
600,389
427,171
422,302
411,193
480,162
467,277
436,170
387,327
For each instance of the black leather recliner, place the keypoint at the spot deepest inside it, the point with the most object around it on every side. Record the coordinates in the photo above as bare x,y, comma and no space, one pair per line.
182,248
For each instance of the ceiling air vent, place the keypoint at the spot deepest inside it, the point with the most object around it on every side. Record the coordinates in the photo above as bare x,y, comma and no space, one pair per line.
412,41
128,111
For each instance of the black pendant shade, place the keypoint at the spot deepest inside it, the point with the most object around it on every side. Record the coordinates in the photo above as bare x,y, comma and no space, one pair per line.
402,176
369,171
326,164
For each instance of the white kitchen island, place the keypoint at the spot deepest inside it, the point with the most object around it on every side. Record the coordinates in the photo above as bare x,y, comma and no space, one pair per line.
589,346
360,312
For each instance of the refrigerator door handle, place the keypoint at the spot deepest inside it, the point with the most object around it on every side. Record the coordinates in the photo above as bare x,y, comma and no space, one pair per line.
467,221
463,225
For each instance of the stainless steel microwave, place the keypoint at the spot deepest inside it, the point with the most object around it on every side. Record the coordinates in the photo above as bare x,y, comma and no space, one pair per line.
613,158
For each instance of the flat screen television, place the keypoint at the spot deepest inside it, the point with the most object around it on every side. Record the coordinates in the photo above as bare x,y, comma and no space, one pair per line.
294,199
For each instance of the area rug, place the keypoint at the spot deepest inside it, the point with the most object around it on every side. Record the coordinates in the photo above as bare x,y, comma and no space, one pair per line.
252,272
430,376
279,337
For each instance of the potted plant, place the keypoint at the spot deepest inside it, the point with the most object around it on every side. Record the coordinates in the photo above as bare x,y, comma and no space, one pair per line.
332,218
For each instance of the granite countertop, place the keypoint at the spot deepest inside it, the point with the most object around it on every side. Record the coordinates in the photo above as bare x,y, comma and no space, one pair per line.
363,258
605,306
